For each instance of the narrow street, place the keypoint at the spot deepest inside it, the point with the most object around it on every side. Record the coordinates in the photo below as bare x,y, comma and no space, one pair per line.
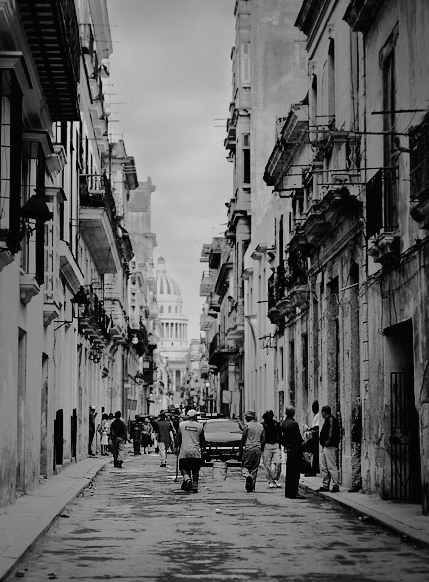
136,524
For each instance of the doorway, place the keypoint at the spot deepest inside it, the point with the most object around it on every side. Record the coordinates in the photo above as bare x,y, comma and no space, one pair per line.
21,411
58,438
405,465
73,439
44,418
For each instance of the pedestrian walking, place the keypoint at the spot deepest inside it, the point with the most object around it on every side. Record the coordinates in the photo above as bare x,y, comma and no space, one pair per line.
146,434
251,448
329,440
292,442
118,436
356,438
311,441
165,434
272,456
104,431
190,444
91,423
136,433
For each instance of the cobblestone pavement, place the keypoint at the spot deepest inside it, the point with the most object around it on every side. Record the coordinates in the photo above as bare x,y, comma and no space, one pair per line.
135,524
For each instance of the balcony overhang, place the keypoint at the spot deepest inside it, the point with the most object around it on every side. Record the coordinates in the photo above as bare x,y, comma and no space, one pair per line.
259,251
205,253
290,135
325,214
247,273
299,296
236,333
15,61
52,33
97,234
360,14
69,268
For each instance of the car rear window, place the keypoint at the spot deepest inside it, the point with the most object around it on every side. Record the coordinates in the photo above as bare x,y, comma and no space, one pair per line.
222,427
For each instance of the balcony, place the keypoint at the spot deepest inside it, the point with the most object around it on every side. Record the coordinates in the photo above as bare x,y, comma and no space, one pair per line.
235,329
207,283
57,61
205,253
205,321
118,329
215,252
220,350
231,137
98,223
324,215
280,307
381,215
291,132
419,174
94,322
384,247
214,304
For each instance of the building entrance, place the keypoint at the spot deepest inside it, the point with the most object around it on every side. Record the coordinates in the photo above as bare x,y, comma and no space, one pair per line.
405,477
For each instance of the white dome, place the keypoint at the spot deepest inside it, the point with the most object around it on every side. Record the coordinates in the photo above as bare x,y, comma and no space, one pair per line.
166,288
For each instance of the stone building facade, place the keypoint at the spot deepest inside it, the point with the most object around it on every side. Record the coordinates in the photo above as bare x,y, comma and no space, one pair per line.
335,268
65,339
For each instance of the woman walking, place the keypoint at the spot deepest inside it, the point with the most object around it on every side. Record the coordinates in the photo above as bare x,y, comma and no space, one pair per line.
146,434
104,431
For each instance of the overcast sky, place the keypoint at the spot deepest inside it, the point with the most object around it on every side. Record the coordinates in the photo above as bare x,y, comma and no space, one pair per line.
170,73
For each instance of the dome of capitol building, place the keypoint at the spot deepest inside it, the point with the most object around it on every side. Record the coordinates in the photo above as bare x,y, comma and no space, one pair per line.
166,288
173,325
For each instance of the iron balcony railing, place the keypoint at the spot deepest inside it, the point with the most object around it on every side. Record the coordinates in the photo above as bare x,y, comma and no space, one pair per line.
95,311
95,192
296,273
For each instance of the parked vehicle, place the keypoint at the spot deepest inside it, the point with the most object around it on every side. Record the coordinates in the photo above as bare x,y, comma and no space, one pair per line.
223,437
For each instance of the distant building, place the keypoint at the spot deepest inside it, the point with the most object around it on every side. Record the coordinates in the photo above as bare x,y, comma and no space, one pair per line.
173,341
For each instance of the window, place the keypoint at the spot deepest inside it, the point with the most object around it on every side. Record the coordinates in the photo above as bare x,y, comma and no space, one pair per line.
389,124
331,80
304,347
161,309
246,158
388,74
292,389
419,160
313,102
5,148
32,178
10,155
245,63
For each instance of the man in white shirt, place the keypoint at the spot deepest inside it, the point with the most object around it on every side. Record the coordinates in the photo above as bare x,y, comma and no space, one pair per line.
190,444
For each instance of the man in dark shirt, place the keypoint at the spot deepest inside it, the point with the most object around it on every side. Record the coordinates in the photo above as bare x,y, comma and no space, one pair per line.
329,441
136,432
118,436
165,434
272,456
292,442
92,415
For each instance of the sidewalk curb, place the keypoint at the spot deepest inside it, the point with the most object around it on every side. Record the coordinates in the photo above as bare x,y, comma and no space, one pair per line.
25,541
405,532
